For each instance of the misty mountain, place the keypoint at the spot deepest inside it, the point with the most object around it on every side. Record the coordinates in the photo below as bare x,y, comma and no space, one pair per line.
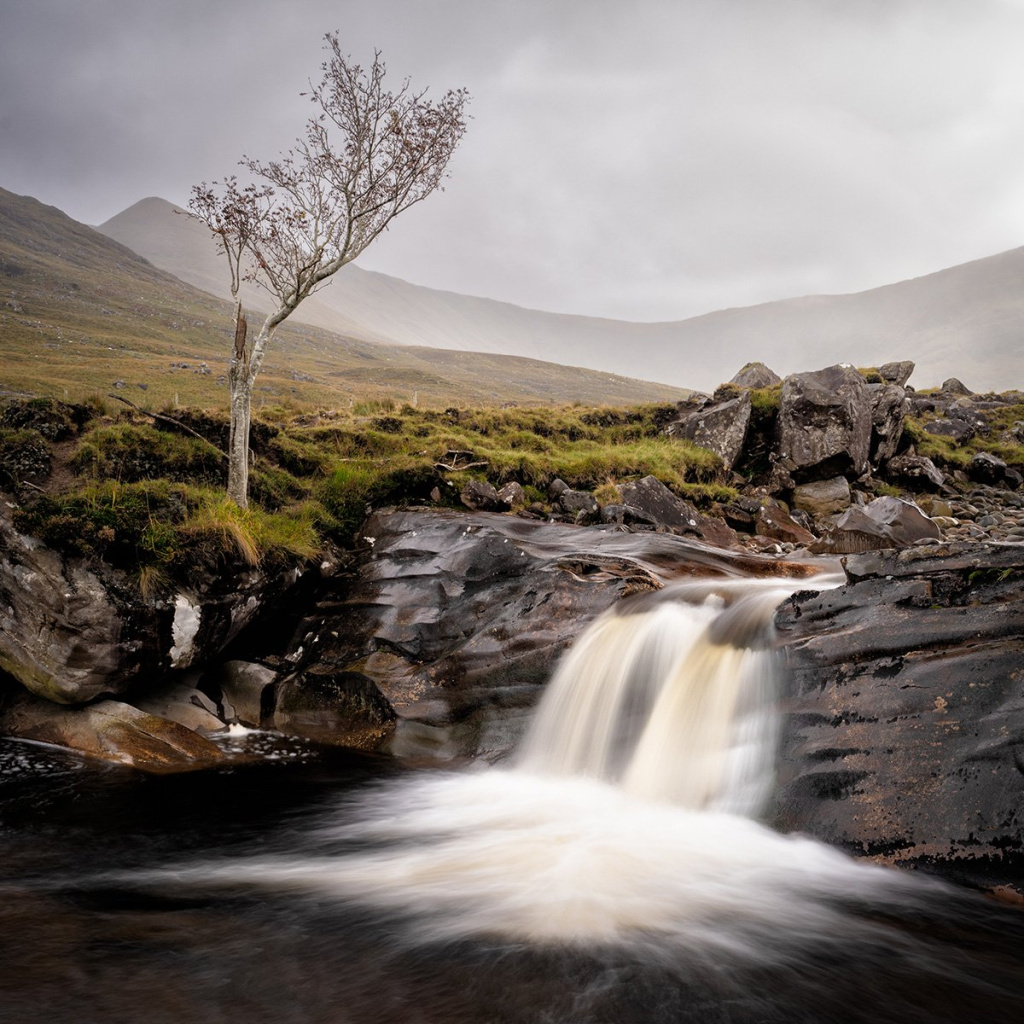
82,314
966,321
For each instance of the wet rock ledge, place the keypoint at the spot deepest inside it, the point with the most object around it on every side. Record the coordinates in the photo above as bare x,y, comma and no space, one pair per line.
904,718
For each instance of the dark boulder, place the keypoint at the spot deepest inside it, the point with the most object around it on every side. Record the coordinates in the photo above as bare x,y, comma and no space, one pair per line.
952,386
956,428
824,424
985,468
580,506
914,471
904,711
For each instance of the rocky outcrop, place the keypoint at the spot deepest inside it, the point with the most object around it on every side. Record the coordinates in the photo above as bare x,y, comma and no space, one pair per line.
904,714
824,424
72,630
456,619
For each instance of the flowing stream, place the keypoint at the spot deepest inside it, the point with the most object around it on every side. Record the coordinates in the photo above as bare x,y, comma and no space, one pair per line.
617,870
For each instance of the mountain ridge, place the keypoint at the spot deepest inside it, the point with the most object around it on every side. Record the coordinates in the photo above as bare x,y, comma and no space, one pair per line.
958,321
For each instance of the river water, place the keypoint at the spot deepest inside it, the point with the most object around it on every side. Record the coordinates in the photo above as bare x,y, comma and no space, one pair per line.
615,870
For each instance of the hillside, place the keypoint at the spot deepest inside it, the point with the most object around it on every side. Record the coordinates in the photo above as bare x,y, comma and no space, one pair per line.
82,314
965,321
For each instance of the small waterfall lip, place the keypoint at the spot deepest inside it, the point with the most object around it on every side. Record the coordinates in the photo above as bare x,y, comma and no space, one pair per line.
674,701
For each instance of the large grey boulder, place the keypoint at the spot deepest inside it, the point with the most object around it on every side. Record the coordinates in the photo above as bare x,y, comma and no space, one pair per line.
883,523
824,424
721,427
904,710
822,498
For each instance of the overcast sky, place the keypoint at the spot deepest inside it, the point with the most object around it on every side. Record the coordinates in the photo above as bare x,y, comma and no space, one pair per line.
648,160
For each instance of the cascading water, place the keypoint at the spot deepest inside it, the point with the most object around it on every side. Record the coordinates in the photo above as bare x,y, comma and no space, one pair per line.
616,871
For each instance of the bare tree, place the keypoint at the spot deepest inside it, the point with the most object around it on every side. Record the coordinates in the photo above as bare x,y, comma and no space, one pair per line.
366,155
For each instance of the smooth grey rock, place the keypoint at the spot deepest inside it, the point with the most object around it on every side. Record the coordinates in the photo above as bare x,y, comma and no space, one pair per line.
960,430
242,686
952,386
182,703
824,424
883,523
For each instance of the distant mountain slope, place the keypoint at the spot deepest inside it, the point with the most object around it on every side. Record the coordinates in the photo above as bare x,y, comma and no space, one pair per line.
967,321
82,314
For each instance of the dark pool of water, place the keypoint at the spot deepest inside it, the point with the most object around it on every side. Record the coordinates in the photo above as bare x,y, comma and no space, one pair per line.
82,940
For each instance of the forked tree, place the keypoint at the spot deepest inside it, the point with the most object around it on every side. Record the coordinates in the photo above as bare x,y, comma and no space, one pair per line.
365,156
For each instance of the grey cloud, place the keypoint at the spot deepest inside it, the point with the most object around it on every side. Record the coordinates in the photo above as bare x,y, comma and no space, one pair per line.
648,161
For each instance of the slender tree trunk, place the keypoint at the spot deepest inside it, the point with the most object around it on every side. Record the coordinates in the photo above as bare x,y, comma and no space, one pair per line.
238,445
240,390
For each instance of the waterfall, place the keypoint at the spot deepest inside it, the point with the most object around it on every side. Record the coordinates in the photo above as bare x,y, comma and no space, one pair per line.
674,702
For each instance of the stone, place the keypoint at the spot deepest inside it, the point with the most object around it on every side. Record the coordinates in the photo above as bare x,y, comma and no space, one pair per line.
952,386
480,496
897,373
915,472
883,523
512,494
823,497
671,512
114,731
582,506
556,487
774,522
342,708
889,408
960,430
720,428
625,515
986,469
756,375
824,424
